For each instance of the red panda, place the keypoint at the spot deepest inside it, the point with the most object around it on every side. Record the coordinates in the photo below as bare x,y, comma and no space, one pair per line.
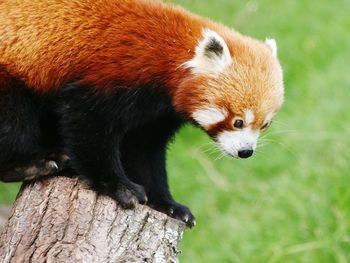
109,82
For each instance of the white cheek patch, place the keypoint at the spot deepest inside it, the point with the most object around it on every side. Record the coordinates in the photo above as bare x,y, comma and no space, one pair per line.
207,117
231,142
249,117
268,117
211,54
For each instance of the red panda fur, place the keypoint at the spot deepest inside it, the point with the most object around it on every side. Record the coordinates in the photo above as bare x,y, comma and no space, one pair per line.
48,43
108,43
186,68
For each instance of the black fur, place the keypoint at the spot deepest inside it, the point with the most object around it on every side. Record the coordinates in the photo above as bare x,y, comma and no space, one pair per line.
215,47
117,141
28,128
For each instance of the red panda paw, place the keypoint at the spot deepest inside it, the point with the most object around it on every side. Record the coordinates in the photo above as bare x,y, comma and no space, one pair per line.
131,195
177,211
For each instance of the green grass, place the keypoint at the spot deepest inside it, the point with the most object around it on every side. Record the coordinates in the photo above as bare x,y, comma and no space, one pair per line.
291,202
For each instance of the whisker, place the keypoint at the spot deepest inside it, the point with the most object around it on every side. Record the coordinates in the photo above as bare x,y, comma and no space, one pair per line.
219,157
213,153
209,149
259,151
281,132
206,144
261,145
280,122
213,174
265,141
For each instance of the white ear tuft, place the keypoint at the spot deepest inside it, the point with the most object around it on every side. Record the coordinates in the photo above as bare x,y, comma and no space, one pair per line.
271,43
211,55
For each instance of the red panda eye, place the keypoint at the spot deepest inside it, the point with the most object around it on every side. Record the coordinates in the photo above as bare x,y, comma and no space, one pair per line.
238,124
265,126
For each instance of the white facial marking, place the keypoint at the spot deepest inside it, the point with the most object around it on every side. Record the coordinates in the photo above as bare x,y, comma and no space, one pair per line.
249,117
209,116
272,45
268,117
231,142
207,60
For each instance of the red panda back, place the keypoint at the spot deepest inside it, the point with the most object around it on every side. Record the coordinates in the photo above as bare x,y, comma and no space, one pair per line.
100,43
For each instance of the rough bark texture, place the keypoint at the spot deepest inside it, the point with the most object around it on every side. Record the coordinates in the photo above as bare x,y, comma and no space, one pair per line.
4,213
62,220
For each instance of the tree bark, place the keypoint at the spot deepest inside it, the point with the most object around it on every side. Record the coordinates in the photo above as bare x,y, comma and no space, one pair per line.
4,213
61,220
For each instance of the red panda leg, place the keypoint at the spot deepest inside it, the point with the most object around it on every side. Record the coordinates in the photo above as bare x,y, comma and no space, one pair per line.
92,127
144,159
22,146
19,127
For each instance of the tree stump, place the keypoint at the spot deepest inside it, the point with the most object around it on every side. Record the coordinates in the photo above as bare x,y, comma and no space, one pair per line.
61,220
4,213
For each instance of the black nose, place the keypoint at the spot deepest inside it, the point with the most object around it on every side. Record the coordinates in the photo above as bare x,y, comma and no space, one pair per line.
245,153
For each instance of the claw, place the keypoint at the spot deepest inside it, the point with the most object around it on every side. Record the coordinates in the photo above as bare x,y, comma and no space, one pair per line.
53,164
65,157
145,201
177,211
129,197
186,218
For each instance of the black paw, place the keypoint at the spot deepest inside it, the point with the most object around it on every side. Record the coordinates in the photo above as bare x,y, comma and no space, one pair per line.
128,196
62,160
40,168
177,211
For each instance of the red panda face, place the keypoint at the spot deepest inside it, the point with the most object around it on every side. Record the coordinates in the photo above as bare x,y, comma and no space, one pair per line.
234,91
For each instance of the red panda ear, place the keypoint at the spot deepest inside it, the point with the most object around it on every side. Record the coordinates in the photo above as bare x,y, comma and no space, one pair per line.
271,43
211,55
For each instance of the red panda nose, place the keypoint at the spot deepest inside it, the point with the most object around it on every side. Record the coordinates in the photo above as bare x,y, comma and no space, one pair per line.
245,153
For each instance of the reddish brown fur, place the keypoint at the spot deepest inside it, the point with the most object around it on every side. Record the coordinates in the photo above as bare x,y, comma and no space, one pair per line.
104,43
253,81
101,42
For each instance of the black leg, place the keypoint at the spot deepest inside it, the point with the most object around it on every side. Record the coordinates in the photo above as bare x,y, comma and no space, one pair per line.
54,164
92,128
144,158
22,137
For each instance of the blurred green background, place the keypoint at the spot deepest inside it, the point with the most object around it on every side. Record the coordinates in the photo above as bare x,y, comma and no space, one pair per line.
291,201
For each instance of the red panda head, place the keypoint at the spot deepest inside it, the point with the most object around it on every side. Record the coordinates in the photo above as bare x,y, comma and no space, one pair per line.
234,90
